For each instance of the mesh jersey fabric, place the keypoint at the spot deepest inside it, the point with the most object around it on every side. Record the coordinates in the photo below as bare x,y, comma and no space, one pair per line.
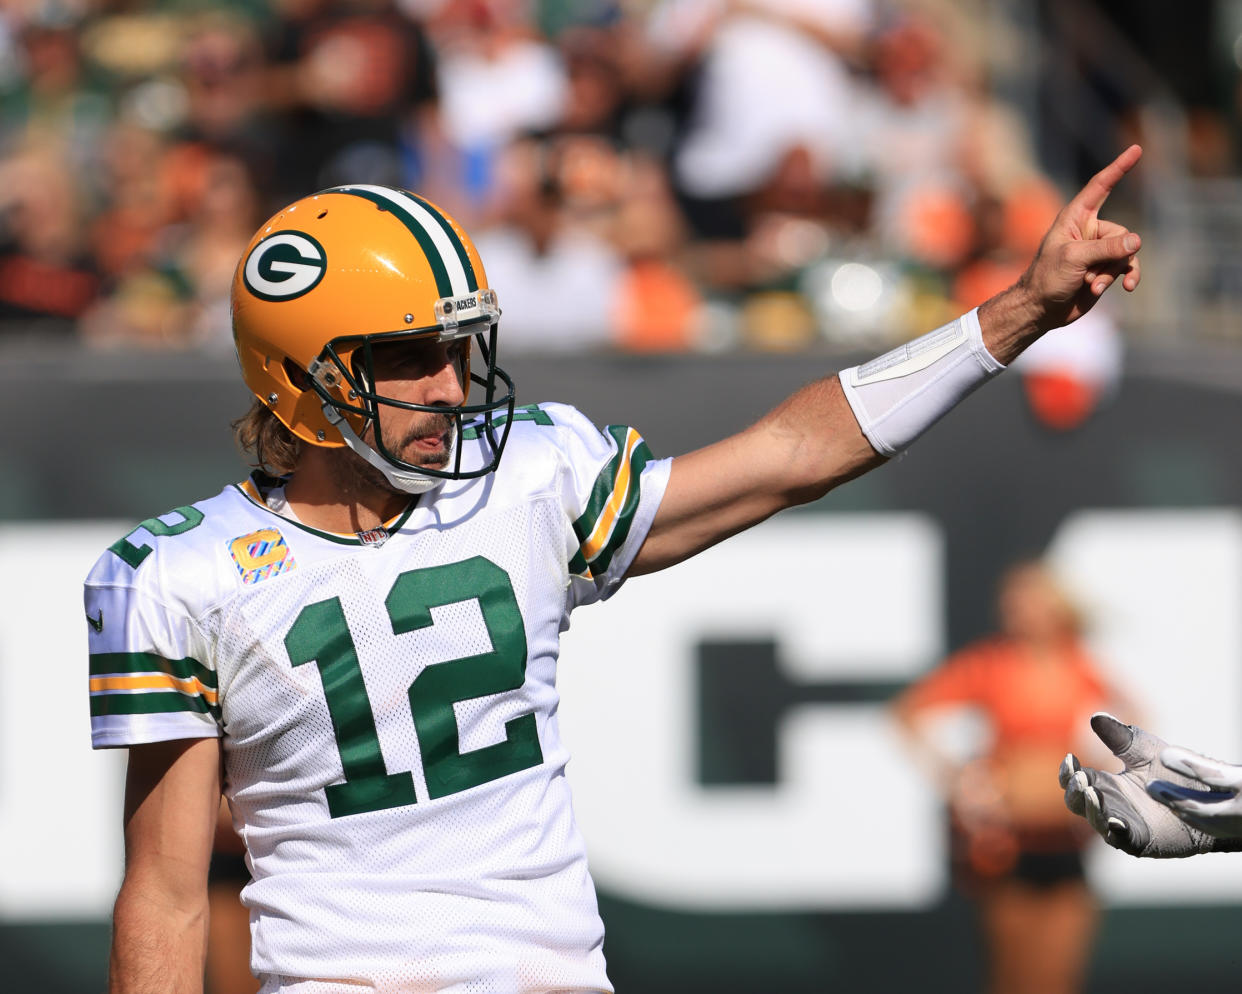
389,710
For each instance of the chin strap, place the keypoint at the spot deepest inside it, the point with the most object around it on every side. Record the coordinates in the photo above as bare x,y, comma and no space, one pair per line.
410,481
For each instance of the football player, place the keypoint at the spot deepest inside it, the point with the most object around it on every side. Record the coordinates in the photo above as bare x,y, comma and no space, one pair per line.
358,644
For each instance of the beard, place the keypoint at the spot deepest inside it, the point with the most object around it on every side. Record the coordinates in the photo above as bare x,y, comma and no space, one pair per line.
354,476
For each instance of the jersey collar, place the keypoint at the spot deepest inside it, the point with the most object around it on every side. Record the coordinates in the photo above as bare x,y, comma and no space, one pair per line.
254,488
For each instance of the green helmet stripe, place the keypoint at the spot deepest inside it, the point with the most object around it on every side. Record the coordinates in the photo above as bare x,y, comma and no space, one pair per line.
472,281
449,275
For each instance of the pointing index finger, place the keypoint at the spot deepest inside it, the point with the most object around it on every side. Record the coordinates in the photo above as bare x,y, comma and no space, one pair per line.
1092,196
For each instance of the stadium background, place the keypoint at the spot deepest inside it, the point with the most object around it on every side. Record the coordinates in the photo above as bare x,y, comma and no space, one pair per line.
737,847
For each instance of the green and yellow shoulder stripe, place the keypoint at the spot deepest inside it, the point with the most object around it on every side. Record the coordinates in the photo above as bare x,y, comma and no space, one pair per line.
602,527
144,683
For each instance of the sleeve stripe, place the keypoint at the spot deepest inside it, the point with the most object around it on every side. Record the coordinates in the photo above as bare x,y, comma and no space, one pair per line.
604,485
144,682
147,663
578,566
598,538
625,512
604,525
157,702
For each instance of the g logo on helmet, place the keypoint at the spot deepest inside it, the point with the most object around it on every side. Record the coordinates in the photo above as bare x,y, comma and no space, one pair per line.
284,266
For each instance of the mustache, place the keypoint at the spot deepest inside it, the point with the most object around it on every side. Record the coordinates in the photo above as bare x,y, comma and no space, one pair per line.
434,424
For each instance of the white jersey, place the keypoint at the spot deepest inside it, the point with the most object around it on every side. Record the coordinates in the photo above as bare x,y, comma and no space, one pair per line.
388,706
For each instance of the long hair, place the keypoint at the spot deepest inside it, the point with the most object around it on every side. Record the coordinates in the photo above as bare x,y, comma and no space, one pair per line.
1068,616
271,446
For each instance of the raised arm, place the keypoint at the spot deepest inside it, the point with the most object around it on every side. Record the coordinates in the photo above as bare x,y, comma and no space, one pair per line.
839,427
159,925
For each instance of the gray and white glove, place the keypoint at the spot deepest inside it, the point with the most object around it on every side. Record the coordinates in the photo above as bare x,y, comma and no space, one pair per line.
1119,805
1211,803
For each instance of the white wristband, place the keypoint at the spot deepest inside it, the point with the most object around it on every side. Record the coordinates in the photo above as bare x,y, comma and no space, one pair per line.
901,394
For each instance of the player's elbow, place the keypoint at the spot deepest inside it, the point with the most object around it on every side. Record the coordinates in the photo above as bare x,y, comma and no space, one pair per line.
813,466
148,895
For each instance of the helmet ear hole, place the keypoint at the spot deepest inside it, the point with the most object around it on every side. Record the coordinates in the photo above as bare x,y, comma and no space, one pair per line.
296,374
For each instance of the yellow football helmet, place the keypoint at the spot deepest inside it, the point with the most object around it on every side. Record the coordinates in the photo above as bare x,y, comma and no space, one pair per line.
341,271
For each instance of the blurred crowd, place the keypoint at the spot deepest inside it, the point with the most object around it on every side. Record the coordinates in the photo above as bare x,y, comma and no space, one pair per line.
651,175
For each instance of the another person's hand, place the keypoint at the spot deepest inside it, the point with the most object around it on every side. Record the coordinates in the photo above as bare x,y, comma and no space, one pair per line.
1118,805
1211,802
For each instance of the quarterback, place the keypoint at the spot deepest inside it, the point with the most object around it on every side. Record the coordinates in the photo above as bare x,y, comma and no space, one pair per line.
358,644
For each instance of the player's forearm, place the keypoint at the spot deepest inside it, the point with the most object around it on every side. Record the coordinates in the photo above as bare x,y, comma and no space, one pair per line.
814,443
159,941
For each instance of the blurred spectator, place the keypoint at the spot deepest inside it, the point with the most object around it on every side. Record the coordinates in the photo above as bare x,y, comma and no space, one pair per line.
53,97
765,184
135,205
594,94
221,64
800,49
715,173
176,293
497,79
204,251
620,85
913,125
1015,848
350,80
48,278
557,280
658,308
11,68
191,77
56,106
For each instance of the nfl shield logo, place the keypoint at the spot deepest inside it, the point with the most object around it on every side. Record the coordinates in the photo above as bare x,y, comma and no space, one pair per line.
373,536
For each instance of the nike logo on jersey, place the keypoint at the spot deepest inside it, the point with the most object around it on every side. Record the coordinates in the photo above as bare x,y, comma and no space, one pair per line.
96,623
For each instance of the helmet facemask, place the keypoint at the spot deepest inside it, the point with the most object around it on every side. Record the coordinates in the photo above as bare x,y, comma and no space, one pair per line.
344,378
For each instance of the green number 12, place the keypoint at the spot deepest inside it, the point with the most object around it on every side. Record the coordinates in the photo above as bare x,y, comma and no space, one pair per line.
320,635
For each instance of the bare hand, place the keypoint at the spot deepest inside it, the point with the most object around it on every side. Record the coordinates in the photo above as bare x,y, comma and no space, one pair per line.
1081,255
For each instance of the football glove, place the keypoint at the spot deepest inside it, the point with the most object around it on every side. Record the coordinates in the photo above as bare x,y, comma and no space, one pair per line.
1216,810
1118,805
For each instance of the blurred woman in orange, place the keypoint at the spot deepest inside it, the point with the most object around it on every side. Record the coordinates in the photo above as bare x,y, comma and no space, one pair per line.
1015,848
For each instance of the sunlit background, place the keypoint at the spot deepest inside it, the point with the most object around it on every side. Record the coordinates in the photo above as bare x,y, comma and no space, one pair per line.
687,208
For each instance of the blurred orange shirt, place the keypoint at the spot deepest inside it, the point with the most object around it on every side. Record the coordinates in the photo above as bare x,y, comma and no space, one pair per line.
1029,700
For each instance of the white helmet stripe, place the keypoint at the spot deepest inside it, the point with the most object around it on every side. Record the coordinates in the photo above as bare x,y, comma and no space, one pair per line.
411,208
